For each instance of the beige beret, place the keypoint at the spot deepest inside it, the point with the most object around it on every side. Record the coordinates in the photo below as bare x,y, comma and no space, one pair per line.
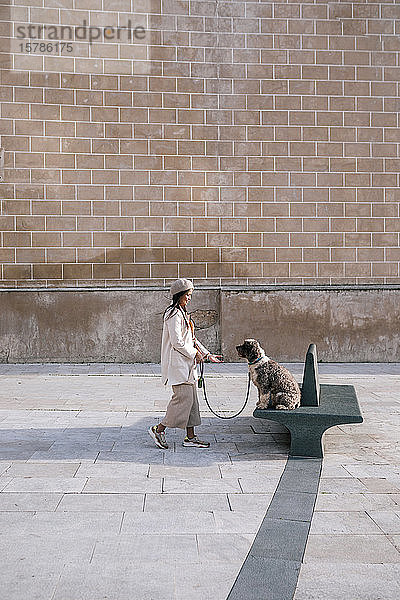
181,285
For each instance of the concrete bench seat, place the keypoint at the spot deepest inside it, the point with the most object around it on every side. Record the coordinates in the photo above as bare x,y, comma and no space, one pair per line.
321,407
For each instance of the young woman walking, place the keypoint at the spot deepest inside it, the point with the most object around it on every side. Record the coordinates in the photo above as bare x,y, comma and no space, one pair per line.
180,353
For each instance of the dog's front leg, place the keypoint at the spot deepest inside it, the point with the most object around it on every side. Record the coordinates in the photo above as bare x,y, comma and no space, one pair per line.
263,400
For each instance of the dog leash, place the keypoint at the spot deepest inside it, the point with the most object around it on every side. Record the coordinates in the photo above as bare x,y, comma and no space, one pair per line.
202,384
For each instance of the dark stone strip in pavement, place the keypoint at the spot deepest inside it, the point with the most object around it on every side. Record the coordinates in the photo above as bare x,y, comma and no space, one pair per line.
272,566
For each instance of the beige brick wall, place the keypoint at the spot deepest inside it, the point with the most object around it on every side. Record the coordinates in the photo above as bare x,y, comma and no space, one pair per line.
238,142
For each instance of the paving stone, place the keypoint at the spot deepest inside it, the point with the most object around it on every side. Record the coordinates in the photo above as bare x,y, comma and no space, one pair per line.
379,471
254,485
250,502
207,581
195,485
4,482
44,549
296,506
387,521
194,458
223,547
206,502
301,475
173,523
261,438
62,455
239,425
334,471
127,581
13,523
63,470
280,539
275,578
31,580
343,522
19,454
395,540
380,485
120,485
261,469
151,548
237,521
27,446
113,470
273,446
365,581
369,549
355,502
186,472
72,524
339,485
152,456
271,452
29,501
35,437
46,484
100,502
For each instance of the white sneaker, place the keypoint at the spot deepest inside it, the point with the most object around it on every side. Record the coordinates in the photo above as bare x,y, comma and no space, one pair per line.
158,437
195,442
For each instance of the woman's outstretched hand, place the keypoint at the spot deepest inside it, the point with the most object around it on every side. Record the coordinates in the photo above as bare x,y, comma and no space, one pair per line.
215,358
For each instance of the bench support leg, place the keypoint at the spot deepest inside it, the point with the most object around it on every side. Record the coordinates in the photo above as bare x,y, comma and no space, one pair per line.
307,442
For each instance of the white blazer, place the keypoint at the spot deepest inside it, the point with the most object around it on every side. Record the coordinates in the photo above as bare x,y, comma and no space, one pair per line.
178,351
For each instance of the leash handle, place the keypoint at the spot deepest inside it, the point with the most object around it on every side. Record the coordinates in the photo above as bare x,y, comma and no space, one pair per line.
202,384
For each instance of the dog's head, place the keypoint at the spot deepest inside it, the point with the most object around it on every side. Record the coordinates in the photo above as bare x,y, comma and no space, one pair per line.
250,349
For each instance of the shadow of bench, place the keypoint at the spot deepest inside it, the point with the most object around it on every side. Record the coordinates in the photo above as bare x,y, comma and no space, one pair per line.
321,407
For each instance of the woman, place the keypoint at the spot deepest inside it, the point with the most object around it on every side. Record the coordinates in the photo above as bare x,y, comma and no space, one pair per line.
180,352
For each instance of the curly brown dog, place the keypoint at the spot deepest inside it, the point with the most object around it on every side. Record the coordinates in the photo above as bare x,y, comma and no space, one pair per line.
277,388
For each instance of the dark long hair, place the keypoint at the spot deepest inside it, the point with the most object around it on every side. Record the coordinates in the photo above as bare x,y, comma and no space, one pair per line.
169,311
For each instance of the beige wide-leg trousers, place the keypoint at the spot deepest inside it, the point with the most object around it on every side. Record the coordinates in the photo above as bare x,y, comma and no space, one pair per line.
183,408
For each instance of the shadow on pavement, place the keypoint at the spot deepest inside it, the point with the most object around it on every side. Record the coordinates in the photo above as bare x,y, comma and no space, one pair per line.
245,438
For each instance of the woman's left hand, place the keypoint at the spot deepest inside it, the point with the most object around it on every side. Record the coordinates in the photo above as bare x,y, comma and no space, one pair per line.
215,358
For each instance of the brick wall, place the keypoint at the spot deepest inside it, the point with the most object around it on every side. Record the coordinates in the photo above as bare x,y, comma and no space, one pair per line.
235,142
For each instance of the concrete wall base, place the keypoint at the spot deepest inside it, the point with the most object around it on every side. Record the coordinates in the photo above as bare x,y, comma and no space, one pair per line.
348,324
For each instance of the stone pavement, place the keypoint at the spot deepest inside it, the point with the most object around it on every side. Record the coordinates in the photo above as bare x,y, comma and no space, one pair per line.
91,510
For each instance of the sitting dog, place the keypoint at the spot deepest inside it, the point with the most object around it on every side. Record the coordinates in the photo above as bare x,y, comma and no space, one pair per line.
277,388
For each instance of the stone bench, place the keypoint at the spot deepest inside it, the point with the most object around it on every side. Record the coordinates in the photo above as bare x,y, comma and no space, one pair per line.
321,407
